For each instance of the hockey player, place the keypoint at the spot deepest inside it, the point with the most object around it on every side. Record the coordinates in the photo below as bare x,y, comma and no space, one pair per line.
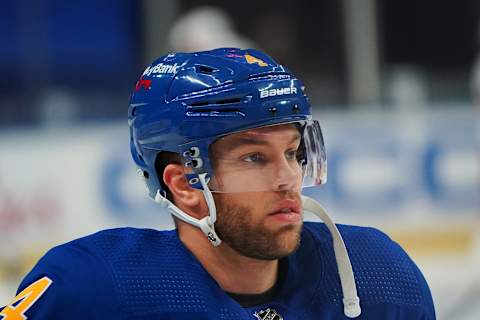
225,140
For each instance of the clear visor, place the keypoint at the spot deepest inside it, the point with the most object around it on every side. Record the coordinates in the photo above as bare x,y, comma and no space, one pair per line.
288,156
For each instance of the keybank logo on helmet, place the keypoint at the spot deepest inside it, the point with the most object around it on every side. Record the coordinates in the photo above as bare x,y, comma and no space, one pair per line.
162,69
277,92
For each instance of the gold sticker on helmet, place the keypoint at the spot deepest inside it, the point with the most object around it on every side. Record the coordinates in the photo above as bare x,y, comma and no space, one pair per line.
251,60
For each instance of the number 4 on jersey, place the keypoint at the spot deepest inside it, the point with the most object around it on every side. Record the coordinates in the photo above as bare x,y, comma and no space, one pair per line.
16,309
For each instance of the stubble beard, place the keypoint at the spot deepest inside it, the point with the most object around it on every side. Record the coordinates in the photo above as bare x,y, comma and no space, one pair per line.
237,228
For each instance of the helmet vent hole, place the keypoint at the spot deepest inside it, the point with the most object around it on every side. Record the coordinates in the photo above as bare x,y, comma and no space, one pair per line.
229,101
145,174
220,102
199,104
205,69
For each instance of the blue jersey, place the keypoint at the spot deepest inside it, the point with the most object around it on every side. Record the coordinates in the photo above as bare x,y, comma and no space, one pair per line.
130,273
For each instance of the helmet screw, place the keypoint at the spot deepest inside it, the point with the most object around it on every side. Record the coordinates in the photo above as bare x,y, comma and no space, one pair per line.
193,152
296,108
273,109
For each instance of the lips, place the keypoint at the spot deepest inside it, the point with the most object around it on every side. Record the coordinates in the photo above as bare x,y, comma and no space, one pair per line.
287,211
287,206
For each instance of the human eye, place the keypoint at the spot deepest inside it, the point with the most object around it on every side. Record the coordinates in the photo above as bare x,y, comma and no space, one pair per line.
291,154
254,158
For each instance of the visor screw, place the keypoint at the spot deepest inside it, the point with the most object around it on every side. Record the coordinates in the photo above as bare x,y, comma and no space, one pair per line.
273,109
193,152
193,181
296,108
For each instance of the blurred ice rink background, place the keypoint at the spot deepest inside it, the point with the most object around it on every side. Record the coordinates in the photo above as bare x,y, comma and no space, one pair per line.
393,83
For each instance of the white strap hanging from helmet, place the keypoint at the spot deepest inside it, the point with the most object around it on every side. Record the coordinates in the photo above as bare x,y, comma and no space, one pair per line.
206,224
351,302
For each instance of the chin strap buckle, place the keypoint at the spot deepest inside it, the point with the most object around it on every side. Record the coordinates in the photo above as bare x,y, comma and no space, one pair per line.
209,231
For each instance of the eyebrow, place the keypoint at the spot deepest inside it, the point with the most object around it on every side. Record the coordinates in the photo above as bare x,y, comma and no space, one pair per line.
241,141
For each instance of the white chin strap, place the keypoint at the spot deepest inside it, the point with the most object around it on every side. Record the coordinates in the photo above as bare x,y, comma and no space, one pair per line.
351,302
206,224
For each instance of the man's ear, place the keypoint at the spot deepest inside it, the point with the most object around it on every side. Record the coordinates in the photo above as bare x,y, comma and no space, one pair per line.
185,197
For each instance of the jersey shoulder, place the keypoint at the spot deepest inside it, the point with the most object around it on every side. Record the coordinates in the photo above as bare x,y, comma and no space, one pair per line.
94,276
384,273
60,283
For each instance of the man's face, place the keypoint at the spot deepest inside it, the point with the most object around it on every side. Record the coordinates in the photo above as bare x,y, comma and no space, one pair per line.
264,223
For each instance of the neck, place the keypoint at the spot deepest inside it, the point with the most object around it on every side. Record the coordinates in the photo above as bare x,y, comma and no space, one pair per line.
234,272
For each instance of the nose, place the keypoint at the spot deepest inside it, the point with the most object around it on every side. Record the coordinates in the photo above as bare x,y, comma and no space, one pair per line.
287,175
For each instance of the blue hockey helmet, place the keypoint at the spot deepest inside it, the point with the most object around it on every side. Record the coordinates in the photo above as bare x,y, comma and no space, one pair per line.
184,102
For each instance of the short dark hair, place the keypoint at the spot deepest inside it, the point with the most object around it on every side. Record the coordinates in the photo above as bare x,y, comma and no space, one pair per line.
163,159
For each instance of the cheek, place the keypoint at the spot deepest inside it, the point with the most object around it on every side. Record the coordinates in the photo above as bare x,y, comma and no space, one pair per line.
255,202
252,203
237,181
